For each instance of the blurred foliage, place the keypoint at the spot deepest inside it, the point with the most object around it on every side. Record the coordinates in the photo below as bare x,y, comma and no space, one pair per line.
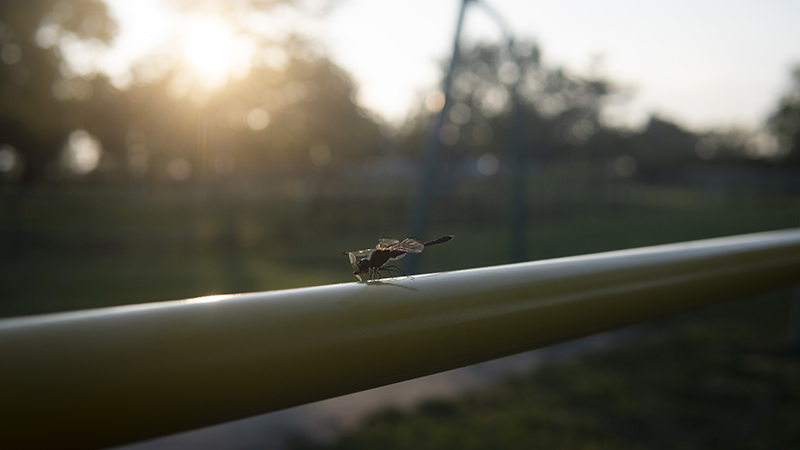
562,110
306,105
33,38
289,111
565,121
785,122
286,112
720,378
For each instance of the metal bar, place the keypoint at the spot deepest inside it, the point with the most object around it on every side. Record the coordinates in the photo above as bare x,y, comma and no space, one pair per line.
433,148
101,377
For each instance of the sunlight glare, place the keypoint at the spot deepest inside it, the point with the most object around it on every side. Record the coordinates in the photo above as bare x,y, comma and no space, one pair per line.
208,49
208,298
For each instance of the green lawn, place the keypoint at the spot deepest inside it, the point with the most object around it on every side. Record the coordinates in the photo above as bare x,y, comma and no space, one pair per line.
80,247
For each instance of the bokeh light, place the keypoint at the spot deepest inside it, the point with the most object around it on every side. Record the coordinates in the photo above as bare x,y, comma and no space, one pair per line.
11,54
320,154
460,113
82,152
449,134
179,169
9,158
434,102
488,164
257,119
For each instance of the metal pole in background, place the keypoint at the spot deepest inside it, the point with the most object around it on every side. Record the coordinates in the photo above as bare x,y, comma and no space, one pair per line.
102,377
419,217
518,158
517,152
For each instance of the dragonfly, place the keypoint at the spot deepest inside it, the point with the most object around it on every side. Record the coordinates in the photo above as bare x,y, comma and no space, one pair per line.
370,262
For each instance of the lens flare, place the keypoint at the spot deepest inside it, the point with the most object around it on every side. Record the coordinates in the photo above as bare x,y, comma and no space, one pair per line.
214,52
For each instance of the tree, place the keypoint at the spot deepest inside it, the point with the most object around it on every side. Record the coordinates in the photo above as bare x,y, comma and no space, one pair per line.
562,110
293,113
785,122
271,121
35,35
663,145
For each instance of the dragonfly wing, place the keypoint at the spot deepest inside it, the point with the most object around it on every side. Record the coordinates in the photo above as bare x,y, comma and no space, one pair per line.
353,260
362,253
397,257
355,256
412,245
386,242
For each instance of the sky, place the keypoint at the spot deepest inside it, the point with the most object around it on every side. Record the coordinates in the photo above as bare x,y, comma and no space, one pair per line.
702,63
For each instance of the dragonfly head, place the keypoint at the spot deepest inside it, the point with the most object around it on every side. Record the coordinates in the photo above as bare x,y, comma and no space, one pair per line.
362,268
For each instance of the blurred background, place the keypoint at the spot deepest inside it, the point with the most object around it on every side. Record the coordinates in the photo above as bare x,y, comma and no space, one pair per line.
167,149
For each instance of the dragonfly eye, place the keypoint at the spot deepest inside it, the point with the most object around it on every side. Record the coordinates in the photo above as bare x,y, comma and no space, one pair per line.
363,266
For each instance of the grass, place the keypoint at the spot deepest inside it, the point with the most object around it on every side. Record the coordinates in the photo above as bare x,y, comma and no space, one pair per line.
83,247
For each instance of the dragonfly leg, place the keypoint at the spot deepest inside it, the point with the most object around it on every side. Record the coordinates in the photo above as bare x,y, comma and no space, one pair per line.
393,267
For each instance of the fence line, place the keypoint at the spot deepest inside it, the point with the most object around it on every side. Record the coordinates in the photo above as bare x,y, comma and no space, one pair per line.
102,377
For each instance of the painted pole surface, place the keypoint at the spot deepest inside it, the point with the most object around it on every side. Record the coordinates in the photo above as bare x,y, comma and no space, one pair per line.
96,378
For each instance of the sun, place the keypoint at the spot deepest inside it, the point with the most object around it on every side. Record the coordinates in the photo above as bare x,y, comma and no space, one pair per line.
209,49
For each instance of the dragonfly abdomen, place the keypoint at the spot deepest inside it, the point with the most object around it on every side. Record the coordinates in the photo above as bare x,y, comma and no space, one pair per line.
439,241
